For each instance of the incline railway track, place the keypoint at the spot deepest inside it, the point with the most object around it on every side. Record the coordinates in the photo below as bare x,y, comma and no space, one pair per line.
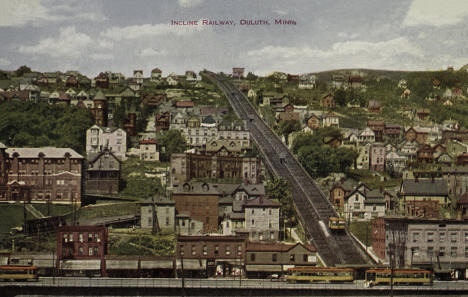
313,208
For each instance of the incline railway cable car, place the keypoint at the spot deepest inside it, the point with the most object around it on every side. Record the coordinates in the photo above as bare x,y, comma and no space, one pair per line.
335,223
319,274
18,273
382,276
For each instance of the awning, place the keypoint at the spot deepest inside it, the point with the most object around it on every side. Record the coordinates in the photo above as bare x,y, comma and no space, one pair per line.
160,264
260,268
122,264
81,265
192,264
44,263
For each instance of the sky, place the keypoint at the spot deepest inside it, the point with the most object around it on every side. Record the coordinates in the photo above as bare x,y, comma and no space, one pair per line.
92,36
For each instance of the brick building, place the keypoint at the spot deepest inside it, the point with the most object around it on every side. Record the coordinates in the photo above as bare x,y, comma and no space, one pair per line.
40,175
86,243
188,166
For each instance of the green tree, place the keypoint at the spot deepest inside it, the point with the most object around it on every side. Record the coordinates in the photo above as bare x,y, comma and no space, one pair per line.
278,189
287,127
172,142
22,70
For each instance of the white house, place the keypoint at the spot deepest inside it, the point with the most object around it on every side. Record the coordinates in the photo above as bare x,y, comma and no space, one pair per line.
149,150
331,119
98,138
367,136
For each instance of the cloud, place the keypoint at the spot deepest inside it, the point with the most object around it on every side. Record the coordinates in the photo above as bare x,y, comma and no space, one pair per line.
345,35
384,54
189,3
280,12
436,13
23,12
4,62
150,52
69,44
148,30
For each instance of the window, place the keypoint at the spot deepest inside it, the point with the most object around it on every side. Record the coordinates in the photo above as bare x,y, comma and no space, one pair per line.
430,251
269,224
269,212
253,222
216,252
90,237
442,251
194,251
228,250
167,221
80,251
205,250
466,236
415,236
80,237
252,257
95,251
274,257
453,236
65,238
415,251
70,237
253,212
181,249
430,236
466,252
239,250
96,237
453,251
150,221
292,258
442,236
356,205
90,251
272,235
305,258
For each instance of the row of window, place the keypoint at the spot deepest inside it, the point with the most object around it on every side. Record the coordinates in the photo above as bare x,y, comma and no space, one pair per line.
91,237
205,250
453,236
442,252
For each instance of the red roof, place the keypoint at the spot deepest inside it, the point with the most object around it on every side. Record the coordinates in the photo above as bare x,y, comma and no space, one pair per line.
148,141
184,104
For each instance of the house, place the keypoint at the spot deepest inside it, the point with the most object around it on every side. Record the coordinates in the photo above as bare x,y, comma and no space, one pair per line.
158,214
422,113
328,101
84,243
462,160
102,81
190,75
156,74
149,150
237,72
355,81
337,81
374,106
331,119
416,134
435,83
172,81
264,259
154,99
41,175
162,121
392,130
366,136
415,190
184,104
71,82
138,76
313,121
102,173
262,219
402,84
377,157
395,162
200,202
362,161
99,109
409,149
223,256
462,207
378,126
405,94
82,95
364,204
307,81
99,138
425,154
339,190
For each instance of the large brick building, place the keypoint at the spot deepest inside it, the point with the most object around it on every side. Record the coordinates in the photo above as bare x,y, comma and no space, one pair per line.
40,175
188,166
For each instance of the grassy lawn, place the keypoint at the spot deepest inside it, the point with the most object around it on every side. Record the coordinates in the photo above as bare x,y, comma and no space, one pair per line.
374,181
140,242
363,231
108,210
11,215
55,210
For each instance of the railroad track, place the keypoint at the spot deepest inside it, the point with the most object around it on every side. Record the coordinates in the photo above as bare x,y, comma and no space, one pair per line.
313,208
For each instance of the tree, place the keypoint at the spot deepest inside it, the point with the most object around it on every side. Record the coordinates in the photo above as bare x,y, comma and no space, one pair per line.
173,142
251,76
287,127
22,70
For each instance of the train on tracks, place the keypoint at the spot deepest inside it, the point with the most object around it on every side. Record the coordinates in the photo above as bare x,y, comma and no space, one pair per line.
18,273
